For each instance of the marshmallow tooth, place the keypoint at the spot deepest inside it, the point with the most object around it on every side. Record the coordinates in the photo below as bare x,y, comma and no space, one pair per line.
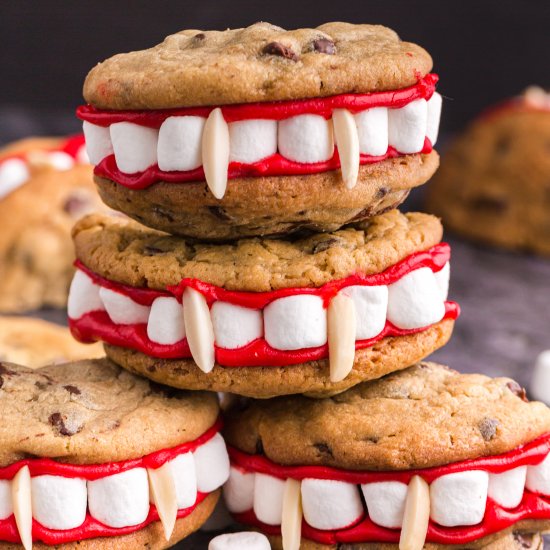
199,329
22,506
6,506
540,381
386,502
371,305
215,152
240,541
347,141
83,296
415,300
442,278
407,126
59,502
291,521
120,500
296,322
185,480
135,146
179,144
538,477
341,336
238,491
330,505
60,161
372,128
163,492
459,498
13,174
121,309
236,326
416,515
165,324
98,142
507,488
306,138
252,140
434,115
268,499
212,464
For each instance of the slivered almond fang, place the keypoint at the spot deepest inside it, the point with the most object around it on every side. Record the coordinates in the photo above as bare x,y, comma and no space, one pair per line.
347,141
22,505
163,491
417,515
341,336
215,152
291,525
198,329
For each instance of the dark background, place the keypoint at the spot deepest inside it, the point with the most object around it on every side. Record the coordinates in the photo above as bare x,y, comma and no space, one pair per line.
484,50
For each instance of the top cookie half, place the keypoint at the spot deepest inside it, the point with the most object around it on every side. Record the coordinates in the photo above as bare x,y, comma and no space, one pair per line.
262,131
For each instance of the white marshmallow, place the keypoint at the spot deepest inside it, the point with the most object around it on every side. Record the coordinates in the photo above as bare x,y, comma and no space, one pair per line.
59,502
371,305
306,138
434,115
219,519
60,161
82,155
120,500
179,145
212,464
83,296
165,324
540,379
121,309
538,477
459,498
442,278
268,499
407,126
415,301
185,480
240,541
98,142
329,504
296,322
13,174
507,488
135,146
6,506
386,502
238,492
235,326
252,140
372,127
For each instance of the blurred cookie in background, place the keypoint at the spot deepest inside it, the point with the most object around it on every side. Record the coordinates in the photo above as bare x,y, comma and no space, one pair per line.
35,343
494,182
45,187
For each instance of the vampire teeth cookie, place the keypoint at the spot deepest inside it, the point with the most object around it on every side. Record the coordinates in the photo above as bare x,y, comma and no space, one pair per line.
96,457
45,186
264,317
493,183
423,456
35,343
258,131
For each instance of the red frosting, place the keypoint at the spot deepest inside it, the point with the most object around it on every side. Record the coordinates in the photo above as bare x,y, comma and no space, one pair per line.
496,518
98,326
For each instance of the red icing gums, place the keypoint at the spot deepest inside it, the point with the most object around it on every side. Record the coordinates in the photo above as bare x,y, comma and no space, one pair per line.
275,110
98,326
496,518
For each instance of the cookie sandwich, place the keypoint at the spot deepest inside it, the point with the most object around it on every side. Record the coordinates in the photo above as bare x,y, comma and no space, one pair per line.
36,343
46,184
257,131
423,458
264,317
493,183
94,457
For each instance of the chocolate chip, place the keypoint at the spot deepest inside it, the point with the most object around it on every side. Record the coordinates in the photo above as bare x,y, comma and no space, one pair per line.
382,192
5,370
324,449
151,368
259,446
151,250
488,428
280,50
73,390
219,213
1,382
161,213
516,389
524,539
324,245
199,37
42,385
58,422
324,45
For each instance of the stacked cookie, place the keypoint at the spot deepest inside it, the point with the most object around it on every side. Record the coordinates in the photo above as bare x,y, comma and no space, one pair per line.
265,166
